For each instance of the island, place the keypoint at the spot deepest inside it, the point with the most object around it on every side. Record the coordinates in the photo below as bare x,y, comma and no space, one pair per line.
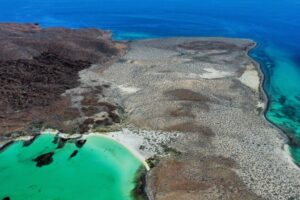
192,107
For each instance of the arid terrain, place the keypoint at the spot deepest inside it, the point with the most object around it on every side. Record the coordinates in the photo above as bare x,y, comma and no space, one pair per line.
191,106
196,104
38,65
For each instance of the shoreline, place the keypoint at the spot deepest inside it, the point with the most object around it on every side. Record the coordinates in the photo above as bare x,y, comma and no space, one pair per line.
108,135
87,135
140,176
265,96
198,103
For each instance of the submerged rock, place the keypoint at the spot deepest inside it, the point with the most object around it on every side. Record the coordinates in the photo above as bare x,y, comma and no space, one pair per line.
74,154
80,143
44,159
26,143
60,142
5,146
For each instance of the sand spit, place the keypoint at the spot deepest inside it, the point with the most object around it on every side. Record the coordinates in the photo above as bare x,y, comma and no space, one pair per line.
205,90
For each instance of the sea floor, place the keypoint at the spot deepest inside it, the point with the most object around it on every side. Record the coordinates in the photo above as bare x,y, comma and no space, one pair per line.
98,169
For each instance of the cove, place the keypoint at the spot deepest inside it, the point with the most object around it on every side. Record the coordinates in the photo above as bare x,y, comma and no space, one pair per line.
99,168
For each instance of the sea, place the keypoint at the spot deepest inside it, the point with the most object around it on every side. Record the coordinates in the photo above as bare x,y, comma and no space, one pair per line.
101,169
273,24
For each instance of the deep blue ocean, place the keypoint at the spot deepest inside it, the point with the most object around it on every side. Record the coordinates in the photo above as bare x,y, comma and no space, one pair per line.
274,24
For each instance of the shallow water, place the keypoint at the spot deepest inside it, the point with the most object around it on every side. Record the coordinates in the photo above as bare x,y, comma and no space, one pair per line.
274,24
102,169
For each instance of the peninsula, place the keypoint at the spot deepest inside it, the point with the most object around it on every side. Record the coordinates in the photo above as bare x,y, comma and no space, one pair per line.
193,107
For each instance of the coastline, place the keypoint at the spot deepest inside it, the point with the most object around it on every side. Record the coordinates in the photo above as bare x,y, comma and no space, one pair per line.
186,124
133,175
266,107
84,137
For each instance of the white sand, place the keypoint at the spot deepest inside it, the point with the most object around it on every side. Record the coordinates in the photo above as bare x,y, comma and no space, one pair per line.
212,73
131,143
128,146
128,90
251,79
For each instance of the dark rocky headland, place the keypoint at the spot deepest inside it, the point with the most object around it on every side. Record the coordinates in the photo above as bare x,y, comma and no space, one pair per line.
38,65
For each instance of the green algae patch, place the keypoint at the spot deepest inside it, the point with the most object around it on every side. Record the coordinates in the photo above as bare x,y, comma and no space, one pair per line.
101,169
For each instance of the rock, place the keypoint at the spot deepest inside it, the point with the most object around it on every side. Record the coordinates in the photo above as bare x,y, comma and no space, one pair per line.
26,143
86,125
61,142
5,146
80,143
44,159
75,152
38,65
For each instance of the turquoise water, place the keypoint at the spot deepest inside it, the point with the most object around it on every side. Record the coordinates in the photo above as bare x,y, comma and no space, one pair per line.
101,170
284,95
282,73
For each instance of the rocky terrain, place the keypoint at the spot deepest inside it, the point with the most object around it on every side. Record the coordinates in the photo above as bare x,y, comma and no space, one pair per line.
191,106
194,107
38,65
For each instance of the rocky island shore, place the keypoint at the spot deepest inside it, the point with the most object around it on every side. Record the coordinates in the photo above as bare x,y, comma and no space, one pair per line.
192,106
